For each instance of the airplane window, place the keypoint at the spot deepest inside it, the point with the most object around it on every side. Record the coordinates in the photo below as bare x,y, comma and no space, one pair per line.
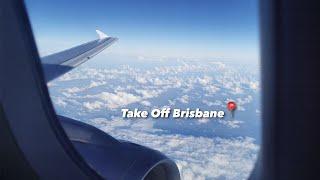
120,66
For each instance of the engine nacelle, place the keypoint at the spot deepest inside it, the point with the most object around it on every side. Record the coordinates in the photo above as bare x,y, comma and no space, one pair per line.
117,159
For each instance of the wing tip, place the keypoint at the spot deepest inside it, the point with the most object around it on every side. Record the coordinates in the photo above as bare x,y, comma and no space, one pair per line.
101,34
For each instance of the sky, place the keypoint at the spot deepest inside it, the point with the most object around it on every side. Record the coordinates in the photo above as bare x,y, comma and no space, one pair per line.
151,28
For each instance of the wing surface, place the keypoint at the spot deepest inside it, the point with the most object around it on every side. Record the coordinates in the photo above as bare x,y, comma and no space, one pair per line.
60,63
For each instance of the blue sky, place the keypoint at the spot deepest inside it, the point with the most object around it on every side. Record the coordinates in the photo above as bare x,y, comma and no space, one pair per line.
155,28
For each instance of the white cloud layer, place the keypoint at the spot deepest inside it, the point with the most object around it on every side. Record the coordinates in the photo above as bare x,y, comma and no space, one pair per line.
196,157
96,90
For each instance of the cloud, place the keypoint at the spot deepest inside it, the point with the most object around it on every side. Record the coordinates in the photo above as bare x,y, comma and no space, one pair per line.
205,80
220,65
171,102
215,103
211,89
141,80
203,120
74,89
254,85
72,75
148,93
59,101
146,103
96,105
184,99
237,90
96,84
116,100
231,123
51,84
243,101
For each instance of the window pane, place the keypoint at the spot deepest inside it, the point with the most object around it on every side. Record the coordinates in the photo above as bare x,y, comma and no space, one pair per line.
170,54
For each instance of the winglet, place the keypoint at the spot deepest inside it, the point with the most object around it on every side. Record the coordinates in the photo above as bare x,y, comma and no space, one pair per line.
101,34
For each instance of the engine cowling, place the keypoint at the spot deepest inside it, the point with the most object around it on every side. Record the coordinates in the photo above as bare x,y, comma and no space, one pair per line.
118,159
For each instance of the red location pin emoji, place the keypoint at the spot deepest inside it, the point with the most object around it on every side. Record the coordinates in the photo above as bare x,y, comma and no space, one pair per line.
232,106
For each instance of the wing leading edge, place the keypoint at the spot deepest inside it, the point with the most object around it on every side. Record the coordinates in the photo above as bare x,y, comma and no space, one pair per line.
60,63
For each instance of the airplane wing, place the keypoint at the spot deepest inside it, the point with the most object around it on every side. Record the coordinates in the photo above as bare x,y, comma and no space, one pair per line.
60,63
